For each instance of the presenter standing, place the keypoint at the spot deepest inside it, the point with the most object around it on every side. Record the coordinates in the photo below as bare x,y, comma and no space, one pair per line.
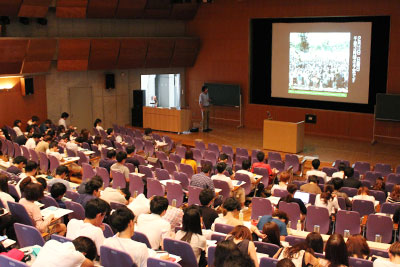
204,102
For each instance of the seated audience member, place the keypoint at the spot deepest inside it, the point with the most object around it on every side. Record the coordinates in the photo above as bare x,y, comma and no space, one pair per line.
33,124
119,165
122,220
337,184
272,234
43,182
34,192
261,164
208,214
130,151
152,225
189,160
53,151
283,180
72,145
174,216
31,142
278,217
238,261
350,181
224,158
238,192
111,135
92,226
394,257
191,231
62,173
46,126
357,247
80,252
57,192
86,138
363,194
43,145
92,191
379,185
327,200
241,236
292,188
315,164
246,166
29,175
81,188
6,220
314,241
148,135
203,179
63,120
109,161
139,205
340,173
97,124
20,140
394,195
231,207
300,254
18,165
4,193
17,127
312,186
121,196
335,252
285,263
225,249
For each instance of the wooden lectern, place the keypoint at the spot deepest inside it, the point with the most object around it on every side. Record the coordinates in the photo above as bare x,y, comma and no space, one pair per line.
283,136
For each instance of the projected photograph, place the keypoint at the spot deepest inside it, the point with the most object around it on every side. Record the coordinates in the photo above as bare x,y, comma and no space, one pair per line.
319,63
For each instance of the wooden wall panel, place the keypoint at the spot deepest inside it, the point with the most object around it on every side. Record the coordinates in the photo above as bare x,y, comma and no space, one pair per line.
9,8
71,8
185,52
102,8
73,54
35,66
184,11
132,53
129,9
223,28
104,54
12,53
34,8
159,53
15,106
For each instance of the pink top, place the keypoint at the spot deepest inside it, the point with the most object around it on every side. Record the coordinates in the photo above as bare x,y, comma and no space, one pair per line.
34,212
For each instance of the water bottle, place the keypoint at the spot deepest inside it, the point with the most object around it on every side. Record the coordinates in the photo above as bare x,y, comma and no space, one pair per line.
298,227
135,194
346,233
316,228
378,238
289,227
241,215
174,203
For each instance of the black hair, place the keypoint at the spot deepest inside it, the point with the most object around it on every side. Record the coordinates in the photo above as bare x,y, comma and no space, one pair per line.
231,204
148,131
314,241
337,183
285,263
16,122
260,156
206,167
221,167
64,115
246,164
3,183
158,205
80,139
111,153
121,155
126,192
120,218
191,223
315,163
189,154
86,246
93,185
349,172
34,118
313,179
36,135
223,156
20,159
204,88
97,121
341,166
30,166
48,121
238,261
224,249
130,149
96,206
62,169
57,190
33,191
53,144
206,196
110,130
42,181
336,251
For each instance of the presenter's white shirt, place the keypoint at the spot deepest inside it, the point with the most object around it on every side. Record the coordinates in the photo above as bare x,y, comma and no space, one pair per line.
56,254
76,228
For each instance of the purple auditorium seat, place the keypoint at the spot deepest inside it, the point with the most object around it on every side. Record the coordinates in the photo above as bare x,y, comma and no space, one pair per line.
185,168
213,147
227,150
245,178
142,238
194,193
182,178
223,228
79,211
154,188
110,257
153,262
200,145
181,249
162,174
293,212
28,235
180,151
274,156
389,208
383,168
363,207
362,167
119,180
135,184
88,171
146,171
268,262
105,176
54,163
225,190
378,224
242,152
347,220
174,191
317,216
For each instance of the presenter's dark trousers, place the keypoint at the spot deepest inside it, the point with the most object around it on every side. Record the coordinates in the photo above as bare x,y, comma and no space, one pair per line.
205,115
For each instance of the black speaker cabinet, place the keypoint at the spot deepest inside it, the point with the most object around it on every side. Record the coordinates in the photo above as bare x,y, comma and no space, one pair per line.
27,86
139,98
137,116
110,81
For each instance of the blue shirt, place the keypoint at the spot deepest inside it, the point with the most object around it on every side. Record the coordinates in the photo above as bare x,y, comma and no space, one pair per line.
268,218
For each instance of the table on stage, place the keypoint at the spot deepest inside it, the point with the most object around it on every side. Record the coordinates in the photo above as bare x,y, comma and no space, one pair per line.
167,119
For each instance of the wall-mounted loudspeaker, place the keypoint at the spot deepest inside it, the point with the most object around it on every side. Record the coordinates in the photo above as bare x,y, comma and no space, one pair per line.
27,86
110,81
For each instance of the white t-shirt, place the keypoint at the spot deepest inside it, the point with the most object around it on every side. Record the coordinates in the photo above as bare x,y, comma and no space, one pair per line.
339,174
76,228
197,242
98,127
55,154
316,173
154,227
140,205
223,177
331,205
17,130
30,143
62,122
138,251
4,197
113,195
55,254
380,262
72,146
364,197
278,186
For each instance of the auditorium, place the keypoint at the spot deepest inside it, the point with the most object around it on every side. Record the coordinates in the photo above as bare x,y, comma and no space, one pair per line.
188,133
